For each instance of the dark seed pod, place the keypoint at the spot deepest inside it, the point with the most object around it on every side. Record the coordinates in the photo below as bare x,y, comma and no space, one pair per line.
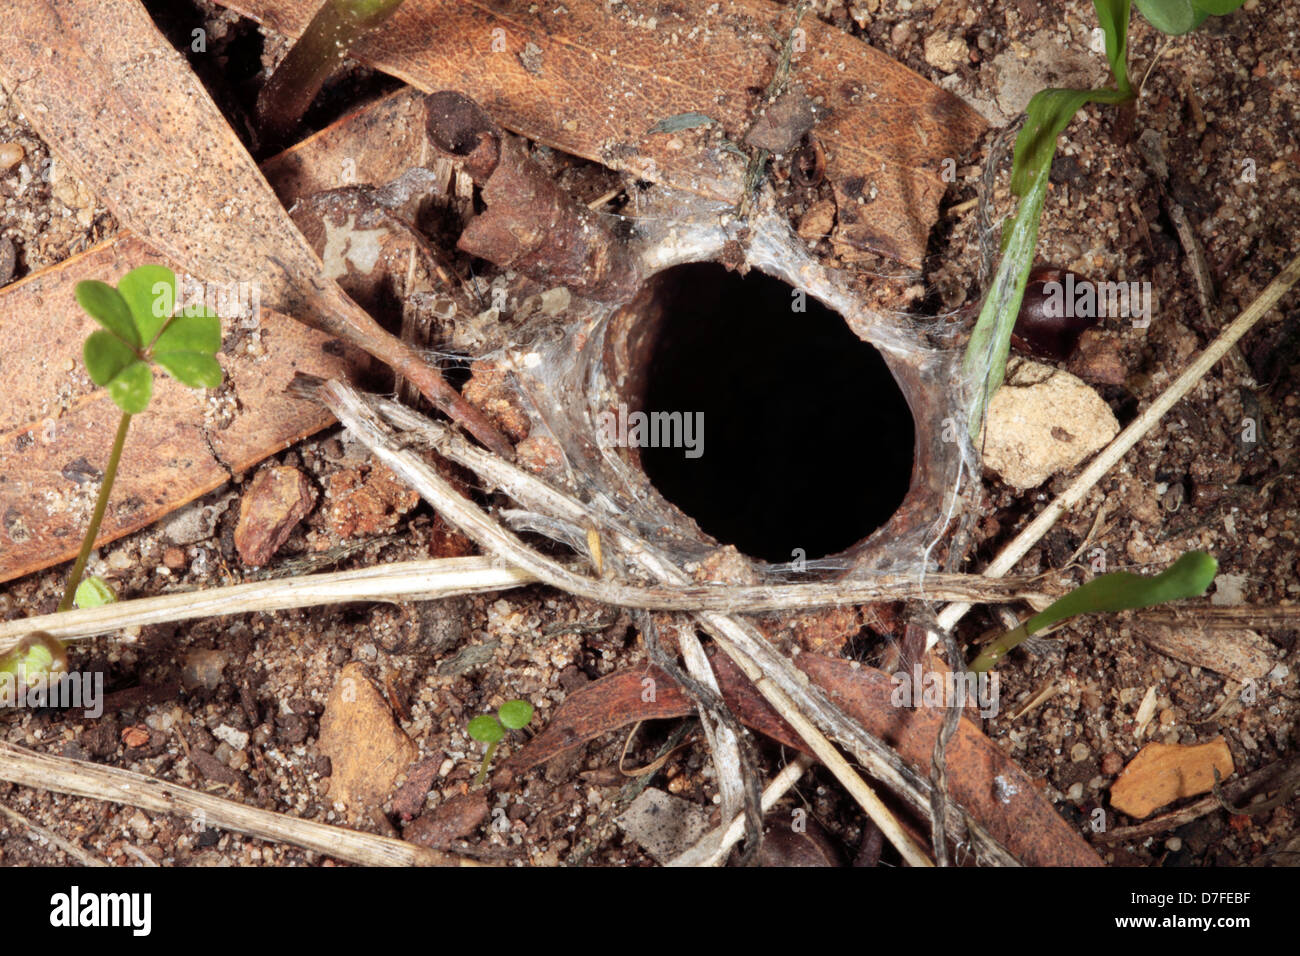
1047,326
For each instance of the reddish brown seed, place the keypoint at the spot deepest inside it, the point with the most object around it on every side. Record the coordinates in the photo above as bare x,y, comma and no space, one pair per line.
1048,326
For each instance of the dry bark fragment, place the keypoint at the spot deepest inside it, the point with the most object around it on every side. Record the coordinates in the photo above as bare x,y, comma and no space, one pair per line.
449,821
1239,653
1163,773
275,501
367,749
530,224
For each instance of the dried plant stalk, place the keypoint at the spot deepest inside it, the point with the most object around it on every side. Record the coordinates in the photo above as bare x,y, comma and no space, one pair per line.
786,688
80,779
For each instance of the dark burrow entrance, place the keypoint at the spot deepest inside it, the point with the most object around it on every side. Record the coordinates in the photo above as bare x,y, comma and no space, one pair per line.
807,439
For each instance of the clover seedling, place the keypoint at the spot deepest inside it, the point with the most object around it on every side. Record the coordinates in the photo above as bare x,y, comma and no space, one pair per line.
490,728
37,658
1187,577
333,31
141,328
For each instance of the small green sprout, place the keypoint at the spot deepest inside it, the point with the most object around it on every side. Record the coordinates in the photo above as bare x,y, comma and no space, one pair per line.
1187,577
1177,17
490,728
141,328
37,658
1047,115
93,591
333,31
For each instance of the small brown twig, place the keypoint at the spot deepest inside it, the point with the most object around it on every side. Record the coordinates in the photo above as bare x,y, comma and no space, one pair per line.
1287,785
938,759
1211,317
1210,618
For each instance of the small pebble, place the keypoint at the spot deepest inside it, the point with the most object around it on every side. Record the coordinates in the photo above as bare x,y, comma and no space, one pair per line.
238,739
11,154
140,825
202,668
1111,764
119,561
1174,844
1080,752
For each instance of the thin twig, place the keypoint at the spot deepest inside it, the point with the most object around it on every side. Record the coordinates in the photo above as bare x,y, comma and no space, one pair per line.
1227,618
716,844
938,759
737,776
1194,811
1019,546
1211,318
71,849
81,779
401,581
771,672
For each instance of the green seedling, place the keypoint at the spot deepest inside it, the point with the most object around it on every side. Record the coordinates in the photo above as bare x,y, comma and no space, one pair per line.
93,591
490,728
37,658
1177,17
1047,115
1187,577
140,329
333,31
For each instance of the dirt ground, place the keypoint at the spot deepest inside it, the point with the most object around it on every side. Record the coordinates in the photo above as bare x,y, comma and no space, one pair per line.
1224,99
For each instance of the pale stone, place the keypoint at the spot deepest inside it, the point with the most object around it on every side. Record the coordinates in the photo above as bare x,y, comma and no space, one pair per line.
945,53
1043,421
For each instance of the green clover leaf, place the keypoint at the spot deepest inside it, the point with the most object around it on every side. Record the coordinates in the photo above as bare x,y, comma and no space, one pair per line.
132,388
106,356
107,307
94,591
113,363
1177,17
186,349
191,368
150,294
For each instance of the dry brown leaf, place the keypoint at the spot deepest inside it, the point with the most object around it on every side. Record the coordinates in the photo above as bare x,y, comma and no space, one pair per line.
56,427
593,80
113,99
622,698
